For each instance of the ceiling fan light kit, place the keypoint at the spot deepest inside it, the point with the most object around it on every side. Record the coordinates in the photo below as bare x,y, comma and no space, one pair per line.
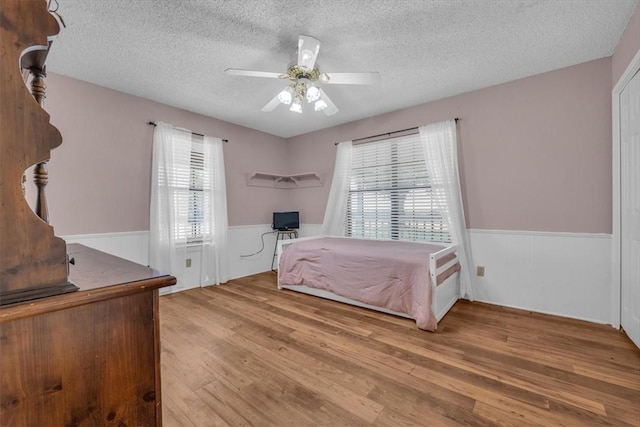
304,77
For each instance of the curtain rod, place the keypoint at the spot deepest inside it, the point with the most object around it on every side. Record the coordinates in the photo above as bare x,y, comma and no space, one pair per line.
386,134
193,133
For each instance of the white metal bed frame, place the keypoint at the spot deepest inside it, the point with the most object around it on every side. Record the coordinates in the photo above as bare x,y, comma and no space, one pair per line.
443,295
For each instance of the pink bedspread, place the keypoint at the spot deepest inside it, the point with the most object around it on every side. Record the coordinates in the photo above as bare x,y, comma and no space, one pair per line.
387,274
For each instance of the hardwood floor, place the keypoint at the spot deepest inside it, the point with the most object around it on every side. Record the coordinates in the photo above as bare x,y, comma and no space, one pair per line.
246,354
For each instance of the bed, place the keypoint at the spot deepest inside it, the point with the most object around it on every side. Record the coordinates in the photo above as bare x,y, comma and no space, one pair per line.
409,279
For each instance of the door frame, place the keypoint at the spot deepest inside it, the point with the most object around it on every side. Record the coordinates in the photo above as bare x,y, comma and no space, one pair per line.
632,69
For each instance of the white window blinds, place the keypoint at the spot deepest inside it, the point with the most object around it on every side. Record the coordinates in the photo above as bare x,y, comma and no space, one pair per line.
199,195
184,181
390,196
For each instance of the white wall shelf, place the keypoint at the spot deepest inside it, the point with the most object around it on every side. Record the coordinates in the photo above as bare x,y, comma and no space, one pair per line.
299,180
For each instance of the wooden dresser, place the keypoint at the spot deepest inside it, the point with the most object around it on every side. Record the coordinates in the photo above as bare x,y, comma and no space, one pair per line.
79,339
87,358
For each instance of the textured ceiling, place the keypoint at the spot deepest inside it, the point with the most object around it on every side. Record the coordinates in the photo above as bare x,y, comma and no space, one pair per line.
175,52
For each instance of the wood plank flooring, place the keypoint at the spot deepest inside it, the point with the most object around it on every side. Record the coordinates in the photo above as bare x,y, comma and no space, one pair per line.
246,354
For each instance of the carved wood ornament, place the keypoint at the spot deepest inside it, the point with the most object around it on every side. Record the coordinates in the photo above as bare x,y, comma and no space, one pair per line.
33,261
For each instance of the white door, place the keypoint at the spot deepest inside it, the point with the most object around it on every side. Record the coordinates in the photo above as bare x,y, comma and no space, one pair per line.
630,208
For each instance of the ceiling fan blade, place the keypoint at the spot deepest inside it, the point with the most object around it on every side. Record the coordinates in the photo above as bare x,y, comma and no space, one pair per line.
271,105
352,78
331,108
251,73
308,49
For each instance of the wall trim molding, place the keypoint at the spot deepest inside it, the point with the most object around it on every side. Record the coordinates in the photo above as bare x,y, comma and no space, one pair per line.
520,232
540,233
104,235
244,227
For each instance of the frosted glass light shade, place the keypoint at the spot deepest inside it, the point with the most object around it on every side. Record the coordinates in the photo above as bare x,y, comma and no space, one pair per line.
285,96
313,94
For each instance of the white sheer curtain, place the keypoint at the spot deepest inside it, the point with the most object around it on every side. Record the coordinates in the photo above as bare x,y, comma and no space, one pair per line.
439,142
171,156
214,252
172,206
336,211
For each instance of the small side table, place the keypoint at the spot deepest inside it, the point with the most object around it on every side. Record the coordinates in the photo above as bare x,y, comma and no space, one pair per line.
291,234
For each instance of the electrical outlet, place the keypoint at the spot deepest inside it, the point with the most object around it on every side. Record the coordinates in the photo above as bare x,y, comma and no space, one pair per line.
188,263
480,270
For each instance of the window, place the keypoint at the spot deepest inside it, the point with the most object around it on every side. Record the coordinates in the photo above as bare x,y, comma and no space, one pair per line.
389,194
197,227
185,183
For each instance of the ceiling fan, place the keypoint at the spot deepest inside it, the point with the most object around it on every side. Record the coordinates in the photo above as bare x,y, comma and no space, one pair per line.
304,77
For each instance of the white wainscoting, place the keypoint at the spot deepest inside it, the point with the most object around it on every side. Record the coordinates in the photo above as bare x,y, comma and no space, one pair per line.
243,240
566,274
133,245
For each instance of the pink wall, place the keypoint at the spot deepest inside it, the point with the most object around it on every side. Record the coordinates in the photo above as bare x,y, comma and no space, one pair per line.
535,153
627,48
100,176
